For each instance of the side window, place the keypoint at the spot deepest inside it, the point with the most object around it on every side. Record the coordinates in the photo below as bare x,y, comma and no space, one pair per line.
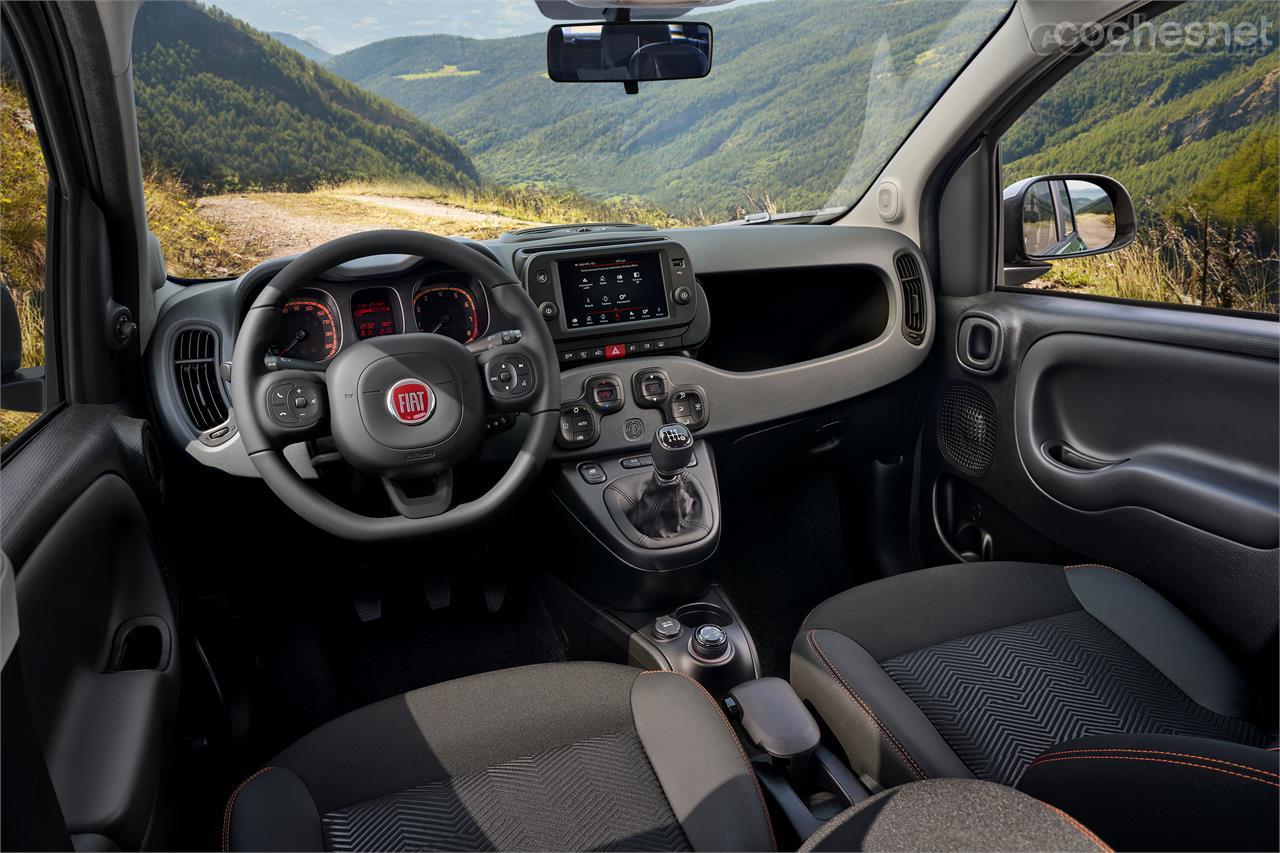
24,182
1182,111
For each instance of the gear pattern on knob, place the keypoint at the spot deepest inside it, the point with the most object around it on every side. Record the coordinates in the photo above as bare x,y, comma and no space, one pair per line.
671,449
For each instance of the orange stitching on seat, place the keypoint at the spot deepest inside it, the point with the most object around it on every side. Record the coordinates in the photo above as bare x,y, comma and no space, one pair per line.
1081,828
866,709
1161,752
1158,761
733,736
226,818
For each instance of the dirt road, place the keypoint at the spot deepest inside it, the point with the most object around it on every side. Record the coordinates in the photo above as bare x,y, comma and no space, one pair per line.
267,225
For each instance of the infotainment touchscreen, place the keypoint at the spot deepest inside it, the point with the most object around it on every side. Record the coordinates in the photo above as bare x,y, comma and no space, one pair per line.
607,290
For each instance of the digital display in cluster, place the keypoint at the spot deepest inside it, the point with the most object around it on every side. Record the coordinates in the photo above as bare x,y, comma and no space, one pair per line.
373,315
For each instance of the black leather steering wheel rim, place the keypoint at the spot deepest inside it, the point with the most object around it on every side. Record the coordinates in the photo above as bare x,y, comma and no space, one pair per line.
249,369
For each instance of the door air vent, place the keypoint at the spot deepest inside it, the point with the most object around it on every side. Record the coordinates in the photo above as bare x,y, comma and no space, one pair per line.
195,369
908,269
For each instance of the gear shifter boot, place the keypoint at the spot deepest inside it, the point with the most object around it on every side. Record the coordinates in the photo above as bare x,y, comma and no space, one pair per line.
659,510
667,507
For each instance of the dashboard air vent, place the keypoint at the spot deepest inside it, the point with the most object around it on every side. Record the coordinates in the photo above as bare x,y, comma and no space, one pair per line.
195,369
908,269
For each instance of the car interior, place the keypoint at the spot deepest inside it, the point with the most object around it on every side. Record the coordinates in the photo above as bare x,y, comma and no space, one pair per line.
823,534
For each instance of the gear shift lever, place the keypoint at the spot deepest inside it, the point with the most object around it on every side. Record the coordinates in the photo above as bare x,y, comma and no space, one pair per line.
672,450
666,507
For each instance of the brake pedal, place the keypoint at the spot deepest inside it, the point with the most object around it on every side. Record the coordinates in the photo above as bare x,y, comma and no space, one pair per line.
495,594
367,599
436,589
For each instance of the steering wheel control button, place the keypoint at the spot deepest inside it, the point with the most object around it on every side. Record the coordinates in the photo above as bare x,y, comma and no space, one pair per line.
293,404
578,426
667,628
592,473
510,377
650,388
411,401
709,642
688,407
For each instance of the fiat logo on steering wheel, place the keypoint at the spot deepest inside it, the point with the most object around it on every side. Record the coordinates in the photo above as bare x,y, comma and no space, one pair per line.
411,401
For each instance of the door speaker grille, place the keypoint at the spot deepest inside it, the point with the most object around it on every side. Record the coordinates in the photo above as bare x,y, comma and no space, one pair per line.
967,427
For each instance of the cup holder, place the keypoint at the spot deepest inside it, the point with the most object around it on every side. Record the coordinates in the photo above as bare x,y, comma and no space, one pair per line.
703,613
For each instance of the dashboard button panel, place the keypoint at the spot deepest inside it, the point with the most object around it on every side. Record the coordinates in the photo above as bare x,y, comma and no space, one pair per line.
688,406
651,388
579,426
604,394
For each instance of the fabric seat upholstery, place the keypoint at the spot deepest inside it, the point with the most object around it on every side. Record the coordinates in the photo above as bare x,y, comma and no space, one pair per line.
974,670
571,756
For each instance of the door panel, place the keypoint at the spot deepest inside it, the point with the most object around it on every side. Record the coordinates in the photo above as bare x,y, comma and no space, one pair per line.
1104,422
98,651
1143,438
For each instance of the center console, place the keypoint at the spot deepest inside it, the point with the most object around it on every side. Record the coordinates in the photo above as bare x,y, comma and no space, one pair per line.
637,489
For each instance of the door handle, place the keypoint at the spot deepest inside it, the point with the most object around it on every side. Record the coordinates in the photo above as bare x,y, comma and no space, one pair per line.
1065,456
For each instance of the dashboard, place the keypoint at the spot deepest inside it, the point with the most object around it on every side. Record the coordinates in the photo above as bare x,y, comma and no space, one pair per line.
326,316
807,317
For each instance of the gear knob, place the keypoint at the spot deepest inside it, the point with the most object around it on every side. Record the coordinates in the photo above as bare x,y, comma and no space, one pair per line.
671,449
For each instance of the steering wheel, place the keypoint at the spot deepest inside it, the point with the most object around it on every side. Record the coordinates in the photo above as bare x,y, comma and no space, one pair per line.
407,408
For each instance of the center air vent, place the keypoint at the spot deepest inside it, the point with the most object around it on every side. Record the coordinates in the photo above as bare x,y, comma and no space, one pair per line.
195,369
908,269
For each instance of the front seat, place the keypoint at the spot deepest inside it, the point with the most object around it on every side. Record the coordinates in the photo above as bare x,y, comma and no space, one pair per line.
975,670
567,756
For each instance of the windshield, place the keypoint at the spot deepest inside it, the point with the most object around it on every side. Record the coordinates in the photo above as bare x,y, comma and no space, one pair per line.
268,127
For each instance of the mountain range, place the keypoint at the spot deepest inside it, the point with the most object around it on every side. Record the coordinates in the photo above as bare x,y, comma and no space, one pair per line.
793,85
228,107
779,123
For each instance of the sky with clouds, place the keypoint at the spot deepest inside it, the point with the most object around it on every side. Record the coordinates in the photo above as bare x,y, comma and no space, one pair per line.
339,25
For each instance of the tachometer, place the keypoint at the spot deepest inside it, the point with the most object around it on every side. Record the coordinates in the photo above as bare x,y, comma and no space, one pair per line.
308,330
447,309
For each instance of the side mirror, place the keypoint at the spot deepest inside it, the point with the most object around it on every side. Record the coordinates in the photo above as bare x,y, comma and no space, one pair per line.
1066,216
628,52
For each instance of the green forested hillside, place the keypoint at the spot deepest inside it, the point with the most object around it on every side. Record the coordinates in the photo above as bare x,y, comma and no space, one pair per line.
780,118
228,107
783,110
1176,128
309,49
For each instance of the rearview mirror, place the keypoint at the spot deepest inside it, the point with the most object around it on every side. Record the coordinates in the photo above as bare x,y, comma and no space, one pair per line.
1066,216
628,52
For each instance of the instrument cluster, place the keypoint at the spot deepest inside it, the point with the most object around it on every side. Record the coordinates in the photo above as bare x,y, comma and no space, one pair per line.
317,322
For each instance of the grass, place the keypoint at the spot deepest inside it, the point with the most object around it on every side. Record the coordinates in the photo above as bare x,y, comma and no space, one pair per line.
193,246
1189,262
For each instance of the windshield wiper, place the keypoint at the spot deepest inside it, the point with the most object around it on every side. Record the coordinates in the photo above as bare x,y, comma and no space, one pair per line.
764,217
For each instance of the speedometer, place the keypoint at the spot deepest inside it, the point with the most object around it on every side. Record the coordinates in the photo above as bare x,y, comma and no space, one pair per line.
447,309
308,330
